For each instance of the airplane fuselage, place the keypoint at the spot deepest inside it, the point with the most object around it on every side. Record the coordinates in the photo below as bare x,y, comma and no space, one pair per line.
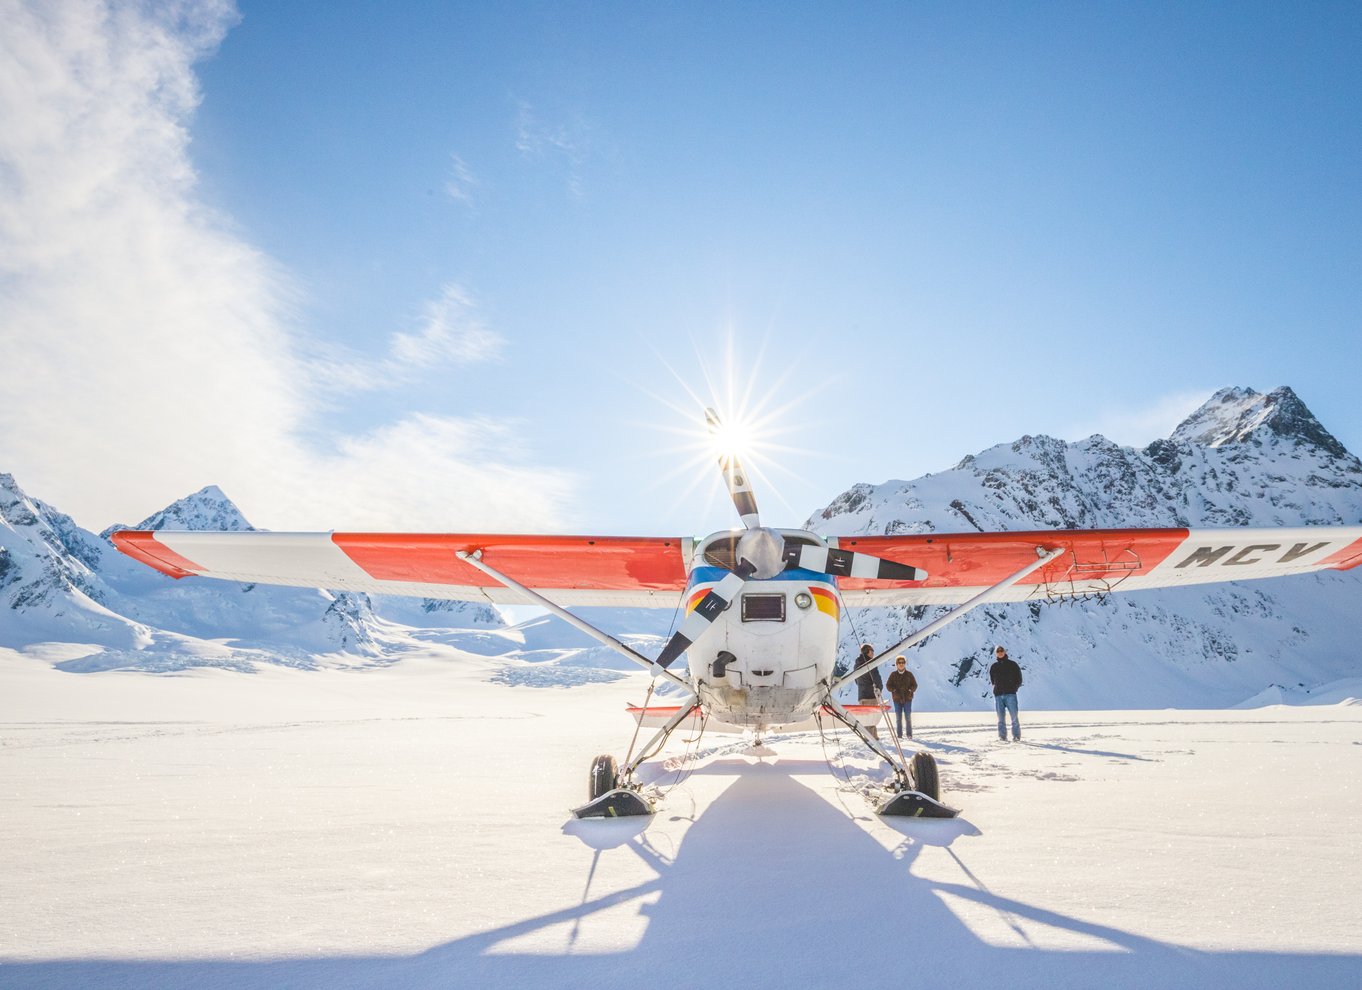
768,658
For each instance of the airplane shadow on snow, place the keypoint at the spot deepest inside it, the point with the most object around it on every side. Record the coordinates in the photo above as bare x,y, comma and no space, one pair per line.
771,887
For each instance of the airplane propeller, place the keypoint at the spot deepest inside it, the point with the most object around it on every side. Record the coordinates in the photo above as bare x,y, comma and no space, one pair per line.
719,598
763,553
735,477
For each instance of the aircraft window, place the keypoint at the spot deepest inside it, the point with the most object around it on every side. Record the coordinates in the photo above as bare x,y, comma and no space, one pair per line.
722,551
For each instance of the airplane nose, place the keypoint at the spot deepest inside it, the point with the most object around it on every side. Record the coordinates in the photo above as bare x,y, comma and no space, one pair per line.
764,549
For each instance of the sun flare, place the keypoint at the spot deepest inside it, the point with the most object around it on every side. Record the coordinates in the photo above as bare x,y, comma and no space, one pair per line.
732,440
733,410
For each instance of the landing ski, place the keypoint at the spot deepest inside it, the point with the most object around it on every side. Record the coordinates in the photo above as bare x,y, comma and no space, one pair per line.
618,803
914,804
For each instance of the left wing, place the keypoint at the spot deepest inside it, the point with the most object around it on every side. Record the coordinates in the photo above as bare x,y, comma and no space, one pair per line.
1094,561
570,570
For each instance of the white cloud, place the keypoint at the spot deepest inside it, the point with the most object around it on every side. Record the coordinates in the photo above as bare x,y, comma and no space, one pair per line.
1138,425
146,350
423,473
461,182
447,331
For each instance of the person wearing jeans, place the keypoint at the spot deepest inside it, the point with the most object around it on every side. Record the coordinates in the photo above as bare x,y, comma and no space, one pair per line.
902,686
1006,678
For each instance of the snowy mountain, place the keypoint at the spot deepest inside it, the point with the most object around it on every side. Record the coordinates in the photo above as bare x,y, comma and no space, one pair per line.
72,598
207,509
1242,459
51,588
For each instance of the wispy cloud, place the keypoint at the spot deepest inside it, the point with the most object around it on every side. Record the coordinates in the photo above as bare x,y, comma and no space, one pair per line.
447,331
1135,425
567,141
462,183
148,350
450,331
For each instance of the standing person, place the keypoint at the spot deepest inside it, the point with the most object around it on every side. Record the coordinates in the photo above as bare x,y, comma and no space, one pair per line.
869,684
902,686
1006,677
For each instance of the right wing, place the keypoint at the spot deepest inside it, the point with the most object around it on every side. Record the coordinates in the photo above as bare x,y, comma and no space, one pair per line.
646,572
1094,561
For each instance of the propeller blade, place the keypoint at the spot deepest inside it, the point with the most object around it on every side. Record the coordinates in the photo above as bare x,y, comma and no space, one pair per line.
849,563
735,478
704,614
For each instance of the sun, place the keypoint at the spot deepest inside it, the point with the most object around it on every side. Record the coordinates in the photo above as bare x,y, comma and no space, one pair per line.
731,440
747,424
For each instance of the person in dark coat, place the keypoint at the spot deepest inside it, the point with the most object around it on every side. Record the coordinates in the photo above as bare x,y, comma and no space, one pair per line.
902,686
869,684
1006,678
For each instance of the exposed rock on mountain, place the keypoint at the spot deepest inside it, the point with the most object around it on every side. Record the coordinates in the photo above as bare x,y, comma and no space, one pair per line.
1241,415
208,510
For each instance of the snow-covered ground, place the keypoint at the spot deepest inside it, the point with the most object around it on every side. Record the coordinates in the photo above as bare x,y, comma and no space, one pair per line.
408,825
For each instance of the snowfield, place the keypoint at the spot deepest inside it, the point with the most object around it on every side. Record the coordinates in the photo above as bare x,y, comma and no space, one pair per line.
408,825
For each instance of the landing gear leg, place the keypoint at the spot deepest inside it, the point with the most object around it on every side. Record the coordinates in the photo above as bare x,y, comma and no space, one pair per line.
614,792
914,792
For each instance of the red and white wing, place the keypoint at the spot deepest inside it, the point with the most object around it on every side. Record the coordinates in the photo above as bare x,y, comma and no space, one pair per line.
571,570
1095,561
651,571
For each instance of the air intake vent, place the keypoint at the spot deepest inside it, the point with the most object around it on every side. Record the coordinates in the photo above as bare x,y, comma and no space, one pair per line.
763,608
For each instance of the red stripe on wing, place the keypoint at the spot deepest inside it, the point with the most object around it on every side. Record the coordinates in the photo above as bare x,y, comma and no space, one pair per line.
615,563
143,546
973,560
1346,559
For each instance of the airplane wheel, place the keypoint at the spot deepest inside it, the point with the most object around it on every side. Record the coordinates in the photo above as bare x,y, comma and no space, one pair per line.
603,773
924,775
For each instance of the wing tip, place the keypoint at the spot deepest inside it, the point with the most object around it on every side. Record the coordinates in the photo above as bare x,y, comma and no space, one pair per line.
144,547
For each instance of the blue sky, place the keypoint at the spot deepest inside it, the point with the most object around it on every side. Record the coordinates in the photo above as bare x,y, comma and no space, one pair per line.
461,266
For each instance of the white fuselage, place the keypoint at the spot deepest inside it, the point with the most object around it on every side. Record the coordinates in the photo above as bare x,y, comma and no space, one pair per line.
768,658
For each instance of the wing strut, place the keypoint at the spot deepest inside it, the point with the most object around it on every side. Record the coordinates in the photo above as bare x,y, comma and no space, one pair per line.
1043,557
475,558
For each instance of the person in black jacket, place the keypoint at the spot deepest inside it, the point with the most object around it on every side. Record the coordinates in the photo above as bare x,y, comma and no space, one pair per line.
1006,677
869,684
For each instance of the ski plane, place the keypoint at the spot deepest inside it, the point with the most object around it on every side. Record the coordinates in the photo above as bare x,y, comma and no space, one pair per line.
763,606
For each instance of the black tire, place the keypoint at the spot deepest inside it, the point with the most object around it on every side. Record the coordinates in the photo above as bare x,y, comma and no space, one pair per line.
603,773
924,775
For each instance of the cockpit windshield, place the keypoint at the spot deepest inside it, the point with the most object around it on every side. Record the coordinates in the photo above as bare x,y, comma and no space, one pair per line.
720,550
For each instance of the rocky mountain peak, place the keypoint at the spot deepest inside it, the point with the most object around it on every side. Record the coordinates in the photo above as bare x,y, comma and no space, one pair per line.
44,555
1239,415
209,508
15,507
